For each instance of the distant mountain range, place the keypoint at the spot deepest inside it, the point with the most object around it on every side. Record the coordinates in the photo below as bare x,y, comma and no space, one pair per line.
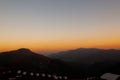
91,60
88,55
82,61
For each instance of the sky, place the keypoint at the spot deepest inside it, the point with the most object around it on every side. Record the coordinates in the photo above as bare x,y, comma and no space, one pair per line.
55,25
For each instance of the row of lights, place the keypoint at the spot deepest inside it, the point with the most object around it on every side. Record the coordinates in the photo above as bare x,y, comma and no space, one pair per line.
23,73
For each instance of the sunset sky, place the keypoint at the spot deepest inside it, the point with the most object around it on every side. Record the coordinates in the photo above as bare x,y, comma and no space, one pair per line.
54,25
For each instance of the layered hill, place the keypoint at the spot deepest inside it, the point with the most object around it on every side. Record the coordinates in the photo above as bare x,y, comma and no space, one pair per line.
91,60
28,60
88,55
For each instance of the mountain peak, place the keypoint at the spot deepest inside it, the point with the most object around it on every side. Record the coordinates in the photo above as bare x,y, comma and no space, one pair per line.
24,50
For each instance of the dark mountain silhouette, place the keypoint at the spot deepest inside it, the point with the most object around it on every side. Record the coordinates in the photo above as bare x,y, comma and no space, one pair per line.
22,56
88,55
73,63
28,60
90,61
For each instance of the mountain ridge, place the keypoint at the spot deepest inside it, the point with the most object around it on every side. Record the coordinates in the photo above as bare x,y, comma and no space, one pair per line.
28,60
82,61
87,54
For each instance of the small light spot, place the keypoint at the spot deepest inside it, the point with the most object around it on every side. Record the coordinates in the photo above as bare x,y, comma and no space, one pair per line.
24,73
43,75
37,74
31,74
19,71
49,75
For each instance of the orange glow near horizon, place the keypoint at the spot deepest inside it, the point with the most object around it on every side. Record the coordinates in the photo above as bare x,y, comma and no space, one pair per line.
59,46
